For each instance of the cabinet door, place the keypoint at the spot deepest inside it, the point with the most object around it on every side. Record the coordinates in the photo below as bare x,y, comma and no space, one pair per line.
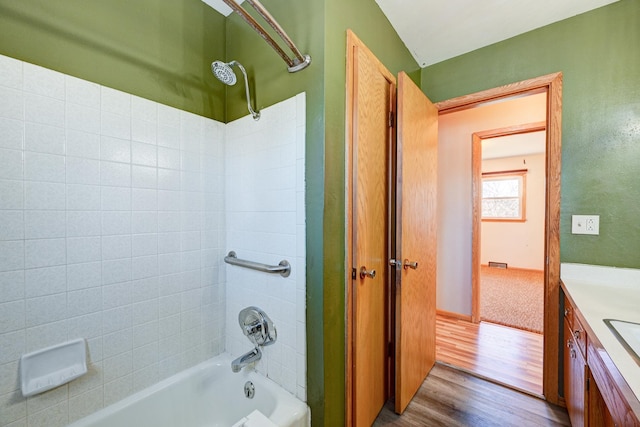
574,379
599,415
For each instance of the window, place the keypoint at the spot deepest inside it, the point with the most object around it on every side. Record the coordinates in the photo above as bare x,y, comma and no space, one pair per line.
503,196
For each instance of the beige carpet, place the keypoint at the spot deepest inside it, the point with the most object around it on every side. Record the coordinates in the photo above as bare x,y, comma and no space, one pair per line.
512,297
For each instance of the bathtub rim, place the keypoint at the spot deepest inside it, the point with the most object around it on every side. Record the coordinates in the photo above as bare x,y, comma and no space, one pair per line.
299,409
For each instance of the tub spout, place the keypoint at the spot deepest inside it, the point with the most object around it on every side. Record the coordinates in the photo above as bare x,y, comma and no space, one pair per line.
246,359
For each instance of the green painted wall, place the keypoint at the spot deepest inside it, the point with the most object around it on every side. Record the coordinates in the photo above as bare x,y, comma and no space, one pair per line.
368,22
157,49
270,82
599,57
162,50
318,28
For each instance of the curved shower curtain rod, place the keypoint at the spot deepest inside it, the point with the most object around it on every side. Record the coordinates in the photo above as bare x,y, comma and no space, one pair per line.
299,61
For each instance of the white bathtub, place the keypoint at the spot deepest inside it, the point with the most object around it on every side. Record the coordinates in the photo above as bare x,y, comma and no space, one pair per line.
207,395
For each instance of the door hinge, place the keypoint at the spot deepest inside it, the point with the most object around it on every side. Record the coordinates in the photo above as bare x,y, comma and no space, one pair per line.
391,118
353,274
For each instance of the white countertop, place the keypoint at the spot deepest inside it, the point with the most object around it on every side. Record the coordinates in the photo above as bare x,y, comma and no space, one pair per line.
607,293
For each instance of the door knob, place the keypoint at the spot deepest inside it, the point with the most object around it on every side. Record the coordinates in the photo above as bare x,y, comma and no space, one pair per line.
409,264
364,273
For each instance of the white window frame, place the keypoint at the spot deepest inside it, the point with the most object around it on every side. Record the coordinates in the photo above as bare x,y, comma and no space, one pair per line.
521,176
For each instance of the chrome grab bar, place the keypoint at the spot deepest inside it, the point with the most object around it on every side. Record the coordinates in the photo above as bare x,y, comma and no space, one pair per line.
284,268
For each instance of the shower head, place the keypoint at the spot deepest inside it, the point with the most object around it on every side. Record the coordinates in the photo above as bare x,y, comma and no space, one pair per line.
224,73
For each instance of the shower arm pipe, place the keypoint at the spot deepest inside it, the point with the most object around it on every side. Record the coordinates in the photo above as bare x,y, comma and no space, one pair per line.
300,61
254,114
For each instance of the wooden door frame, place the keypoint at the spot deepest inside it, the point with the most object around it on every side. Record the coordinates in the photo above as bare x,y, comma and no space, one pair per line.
552,85
476,176
350,122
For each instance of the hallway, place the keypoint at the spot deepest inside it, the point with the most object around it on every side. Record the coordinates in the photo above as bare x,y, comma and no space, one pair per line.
450,397
501,354
459,396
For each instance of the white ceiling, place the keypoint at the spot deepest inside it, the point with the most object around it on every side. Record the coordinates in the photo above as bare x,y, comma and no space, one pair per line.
514,145
435,30
221,6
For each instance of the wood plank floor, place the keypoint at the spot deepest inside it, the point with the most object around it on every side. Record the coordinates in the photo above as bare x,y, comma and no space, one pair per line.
501,354
453,398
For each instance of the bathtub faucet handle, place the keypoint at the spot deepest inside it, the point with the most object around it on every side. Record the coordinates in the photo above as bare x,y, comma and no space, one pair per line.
260,330
257,326
253,328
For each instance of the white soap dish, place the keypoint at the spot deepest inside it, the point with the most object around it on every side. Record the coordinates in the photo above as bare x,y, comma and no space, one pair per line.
53,366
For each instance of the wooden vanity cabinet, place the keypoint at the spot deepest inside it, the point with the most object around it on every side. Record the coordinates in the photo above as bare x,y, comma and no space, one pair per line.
575,368
616,400
598,414
575,380
591,393
584,401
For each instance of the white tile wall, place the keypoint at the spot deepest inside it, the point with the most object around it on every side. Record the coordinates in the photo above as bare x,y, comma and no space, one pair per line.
91,190
266,223
112,228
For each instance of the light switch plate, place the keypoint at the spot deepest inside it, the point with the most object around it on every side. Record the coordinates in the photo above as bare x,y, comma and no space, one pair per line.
585,224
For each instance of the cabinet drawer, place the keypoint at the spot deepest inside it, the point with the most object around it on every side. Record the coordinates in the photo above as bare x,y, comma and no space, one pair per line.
577,331
579,336
568,311
574,379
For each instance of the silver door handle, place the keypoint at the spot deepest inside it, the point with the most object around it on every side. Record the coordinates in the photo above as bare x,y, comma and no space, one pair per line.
364,273
410,264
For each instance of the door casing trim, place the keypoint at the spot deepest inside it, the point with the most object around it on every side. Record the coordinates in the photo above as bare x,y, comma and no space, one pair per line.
476,174
552,85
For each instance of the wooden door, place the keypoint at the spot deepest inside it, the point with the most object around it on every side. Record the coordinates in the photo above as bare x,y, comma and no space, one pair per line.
372,103
416,240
